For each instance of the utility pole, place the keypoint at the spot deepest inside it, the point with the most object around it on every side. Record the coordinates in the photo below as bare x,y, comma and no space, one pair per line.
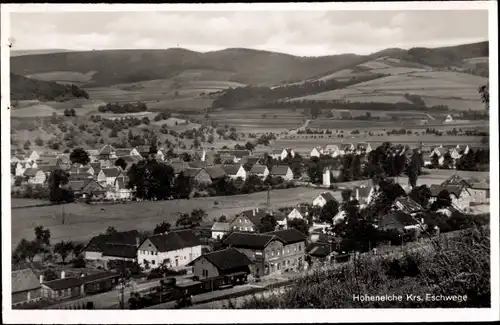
62,212
268,197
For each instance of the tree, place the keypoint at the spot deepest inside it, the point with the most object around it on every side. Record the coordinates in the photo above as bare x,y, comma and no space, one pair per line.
42,235
191,220
63,249
162,228
267,224
182,187
27,145
151,180
25,250
447,161
39,141
57,194
299,224
79,156
222,218
111,231
484,92
329,210
249,146
421,195
414,169
120,162
346,195
435,161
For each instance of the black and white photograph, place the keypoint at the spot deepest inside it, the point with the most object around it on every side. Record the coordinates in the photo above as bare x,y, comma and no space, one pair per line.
250,157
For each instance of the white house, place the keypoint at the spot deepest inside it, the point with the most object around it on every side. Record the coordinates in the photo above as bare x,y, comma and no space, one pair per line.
174,249
219,229
33,156
282,171
107,176
460,195
316,152
329,175
448,119
298,213
332,150
480,192
121,192
323,199
282,154
235,171
35,176
259,170
339,217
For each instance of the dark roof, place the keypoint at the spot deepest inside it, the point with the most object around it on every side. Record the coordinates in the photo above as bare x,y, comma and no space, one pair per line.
111,172
396,220
482,185
220,226
215,172
47,168
452,189
232,169
79,177
106,150
130,160
227,259
408,205
255,215
191,172
72,282
143,149
95,165
319,249
175,240
197,164
30,172
24,280
456,180
250,159
119,250
327,196
279,170
236,153
123,151
258,169
288,236
248,240
178,166
97,243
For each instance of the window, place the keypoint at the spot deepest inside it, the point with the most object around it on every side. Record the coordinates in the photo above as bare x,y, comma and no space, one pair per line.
245,228
278,252
251,228
205,272
300,247
153,262
295,248
283,250
272,252
288,250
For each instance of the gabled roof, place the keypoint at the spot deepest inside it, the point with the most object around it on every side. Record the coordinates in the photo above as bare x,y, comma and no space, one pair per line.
79,176
143,149
121,183
331,147
179,166
97,243
258,169
319,250
254,215
279,170
452,189
327,196
227,259
248,240
119,250
408,205
72,282
95,165
442,150
215,172
277,151
191,172
120,152
130,160
111,172
197,164
175,240
30,172
93,152
288,236
232,169
236,153
24,280
250,160
47,168
107,150
221,226
456,180
482,185
396,220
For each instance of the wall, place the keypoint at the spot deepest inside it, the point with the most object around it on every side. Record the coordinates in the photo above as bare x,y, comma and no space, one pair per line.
26,296
203,177
203,264
242,222
92,255
285,257
156,258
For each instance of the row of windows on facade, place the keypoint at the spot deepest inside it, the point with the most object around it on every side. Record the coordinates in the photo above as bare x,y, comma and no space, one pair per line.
282,252
295,262
147,252
243,228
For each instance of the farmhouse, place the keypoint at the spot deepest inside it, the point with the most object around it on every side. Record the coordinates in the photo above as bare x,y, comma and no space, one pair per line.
108,176
219,229
85,187
26,287
121,192
299,212
35,176
398,220
122,152
282,171
281,154
316,152
323,199
259,170
460,195
480,192
122,252
332,150
235,171
248,220
95,248
215,172
227,266
173,249
198,175
407,205
107,152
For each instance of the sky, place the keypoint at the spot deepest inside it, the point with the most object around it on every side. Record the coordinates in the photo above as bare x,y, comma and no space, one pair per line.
307,33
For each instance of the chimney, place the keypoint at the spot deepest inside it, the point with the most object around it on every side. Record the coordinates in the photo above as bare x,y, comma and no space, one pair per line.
41,278
63,274
253,212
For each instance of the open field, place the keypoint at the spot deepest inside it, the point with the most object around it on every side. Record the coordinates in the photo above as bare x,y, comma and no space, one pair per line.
65,77
84,221
389,125
17,202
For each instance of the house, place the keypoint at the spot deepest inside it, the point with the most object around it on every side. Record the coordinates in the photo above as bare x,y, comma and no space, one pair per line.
122,152
458,151
122,252
48,169
330,175
281,219
178,166
248,220
108,176
26,287
235,171
107,152
319,253
480,192
282,171
250,160
226,266
449,119
271,252
33,156
173,249
363,147
363,194
259,170
299,212
348,148
457,180
20,168
121,190
200,155
316,152
198,175
84,187
35,176
79,176
95,248
215,172
339,217
282,154
144,151
228,159
332,150
407,205
197,164
219,229
460,195
72,287
439,151
323,199
398,220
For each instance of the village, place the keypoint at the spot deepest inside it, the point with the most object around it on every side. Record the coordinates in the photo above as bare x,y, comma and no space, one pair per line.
237,251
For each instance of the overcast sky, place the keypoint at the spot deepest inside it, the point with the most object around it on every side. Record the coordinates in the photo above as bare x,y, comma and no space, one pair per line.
300,33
